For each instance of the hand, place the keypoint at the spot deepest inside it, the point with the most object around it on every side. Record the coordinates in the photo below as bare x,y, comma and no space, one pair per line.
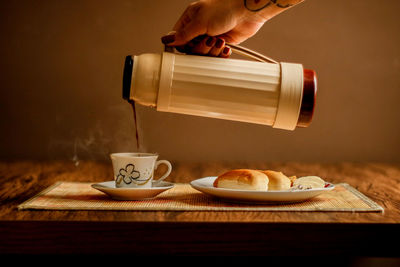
206,25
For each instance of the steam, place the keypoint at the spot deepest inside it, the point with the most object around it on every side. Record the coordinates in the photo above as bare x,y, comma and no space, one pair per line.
112,132
93,146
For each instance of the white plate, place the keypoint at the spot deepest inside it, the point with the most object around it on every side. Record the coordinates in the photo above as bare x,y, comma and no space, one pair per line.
205,185
132,193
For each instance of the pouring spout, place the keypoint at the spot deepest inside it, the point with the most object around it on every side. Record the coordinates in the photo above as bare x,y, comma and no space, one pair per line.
127,77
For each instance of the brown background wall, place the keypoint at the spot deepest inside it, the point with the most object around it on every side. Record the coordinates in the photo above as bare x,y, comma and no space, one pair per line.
61,69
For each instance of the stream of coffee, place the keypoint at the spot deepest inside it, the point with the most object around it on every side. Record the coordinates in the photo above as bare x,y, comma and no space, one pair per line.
135,121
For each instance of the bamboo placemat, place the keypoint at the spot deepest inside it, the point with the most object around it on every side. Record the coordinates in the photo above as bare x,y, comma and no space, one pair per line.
182,197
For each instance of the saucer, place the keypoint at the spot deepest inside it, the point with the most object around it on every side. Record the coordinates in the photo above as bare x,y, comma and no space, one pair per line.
133,193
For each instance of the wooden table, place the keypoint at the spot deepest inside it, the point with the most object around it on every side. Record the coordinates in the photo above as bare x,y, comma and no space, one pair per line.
193,233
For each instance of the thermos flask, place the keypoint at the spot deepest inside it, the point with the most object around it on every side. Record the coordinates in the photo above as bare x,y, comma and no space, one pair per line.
266,92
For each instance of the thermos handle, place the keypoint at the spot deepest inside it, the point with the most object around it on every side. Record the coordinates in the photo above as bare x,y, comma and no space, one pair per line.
250,53
240,50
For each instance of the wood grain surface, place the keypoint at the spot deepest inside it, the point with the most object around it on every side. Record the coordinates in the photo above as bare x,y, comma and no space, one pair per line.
361,233
22,180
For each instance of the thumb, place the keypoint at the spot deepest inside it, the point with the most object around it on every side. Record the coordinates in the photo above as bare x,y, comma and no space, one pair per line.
183,33
189,32
190,25
182,36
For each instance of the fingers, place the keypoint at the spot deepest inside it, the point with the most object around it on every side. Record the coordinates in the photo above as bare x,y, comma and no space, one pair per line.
226,52
210,46
202,45
218,48
206,45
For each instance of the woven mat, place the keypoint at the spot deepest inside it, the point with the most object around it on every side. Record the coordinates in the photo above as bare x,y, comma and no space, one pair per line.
182,197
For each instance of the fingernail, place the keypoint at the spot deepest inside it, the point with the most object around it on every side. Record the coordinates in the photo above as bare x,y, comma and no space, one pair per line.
210,42
226,50
167,39
219,43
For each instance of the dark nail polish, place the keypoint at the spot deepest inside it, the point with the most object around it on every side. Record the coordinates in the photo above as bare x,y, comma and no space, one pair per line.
226,50
210,41
167,39
219,43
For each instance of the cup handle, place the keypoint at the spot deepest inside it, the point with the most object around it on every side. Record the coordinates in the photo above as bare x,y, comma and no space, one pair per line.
166,162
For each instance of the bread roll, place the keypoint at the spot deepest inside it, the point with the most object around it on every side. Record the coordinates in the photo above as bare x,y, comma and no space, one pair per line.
277,180
308,182
243,179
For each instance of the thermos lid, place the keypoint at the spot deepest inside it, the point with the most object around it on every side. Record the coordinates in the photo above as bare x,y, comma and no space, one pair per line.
309,85
308,100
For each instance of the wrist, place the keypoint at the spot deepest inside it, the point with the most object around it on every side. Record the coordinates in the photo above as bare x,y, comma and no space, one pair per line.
264,10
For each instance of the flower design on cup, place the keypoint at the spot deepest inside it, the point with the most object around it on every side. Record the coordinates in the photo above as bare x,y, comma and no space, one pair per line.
128,175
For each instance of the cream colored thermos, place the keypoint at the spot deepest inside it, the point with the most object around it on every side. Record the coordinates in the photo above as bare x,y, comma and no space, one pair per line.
281,95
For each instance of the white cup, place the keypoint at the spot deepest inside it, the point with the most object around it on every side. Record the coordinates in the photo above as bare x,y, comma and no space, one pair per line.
137,169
